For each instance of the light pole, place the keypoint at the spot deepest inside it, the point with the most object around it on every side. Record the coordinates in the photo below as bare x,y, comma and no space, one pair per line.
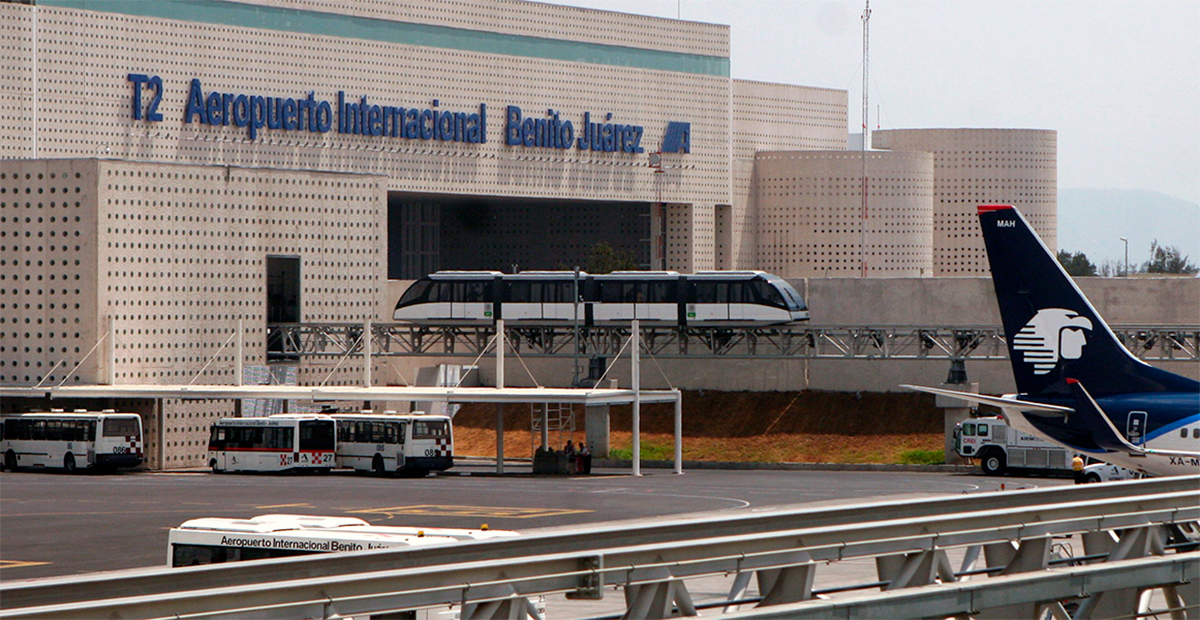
1126,274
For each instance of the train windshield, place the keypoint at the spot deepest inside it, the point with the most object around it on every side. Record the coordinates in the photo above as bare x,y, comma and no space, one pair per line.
419,292
793,300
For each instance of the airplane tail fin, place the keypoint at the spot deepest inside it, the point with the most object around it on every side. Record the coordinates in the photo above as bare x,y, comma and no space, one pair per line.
1052,330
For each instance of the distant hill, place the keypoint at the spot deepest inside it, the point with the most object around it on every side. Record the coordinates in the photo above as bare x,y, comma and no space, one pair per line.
1092,221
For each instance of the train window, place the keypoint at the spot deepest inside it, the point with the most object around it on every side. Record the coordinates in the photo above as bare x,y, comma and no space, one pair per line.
472,292
702,292
521,292
560,292
612,291
660,292
416,293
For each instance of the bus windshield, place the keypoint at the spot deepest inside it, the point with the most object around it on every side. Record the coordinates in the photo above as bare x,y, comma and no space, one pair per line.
316,435
430,429
120,427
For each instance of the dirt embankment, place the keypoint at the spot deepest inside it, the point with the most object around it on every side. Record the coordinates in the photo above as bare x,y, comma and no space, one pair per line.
811,426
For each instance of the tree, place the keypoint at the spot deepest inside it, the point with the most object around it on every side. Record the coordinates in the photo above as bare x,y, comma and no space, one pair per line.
603,258
1076,263
1167,259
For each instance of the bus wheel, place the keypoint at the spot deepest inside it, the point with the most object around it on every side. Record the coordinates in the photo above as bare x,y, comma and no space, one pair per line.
69,463
377,465
992,462
10,460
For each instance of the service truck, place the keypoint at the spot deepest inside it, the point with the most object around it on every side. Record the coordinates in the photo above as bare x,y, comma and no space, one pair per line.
1000,447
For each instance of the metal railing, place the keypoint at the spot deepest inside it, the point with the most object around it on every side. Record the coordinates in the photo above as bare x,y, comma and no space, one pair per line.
650,559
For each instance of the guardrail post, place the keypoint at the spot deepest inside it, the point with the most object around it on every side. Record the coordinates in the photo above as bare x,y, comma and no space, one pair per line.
591,586
1031,554
790,584
1137,542
919,568
515,608
658,600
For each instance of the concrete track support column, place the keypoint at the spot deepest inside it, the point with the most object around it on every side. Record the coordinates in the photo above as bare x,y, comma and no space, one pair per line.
954,410
596,429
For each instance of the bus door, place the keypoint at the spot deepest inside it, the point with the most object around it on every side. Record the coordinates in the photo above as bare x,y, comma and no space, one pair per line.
217,441
402,430
1135,428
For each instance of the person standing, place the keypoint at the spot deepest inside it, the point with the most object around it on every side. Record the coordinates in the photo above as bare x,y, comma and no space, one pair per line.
1077,467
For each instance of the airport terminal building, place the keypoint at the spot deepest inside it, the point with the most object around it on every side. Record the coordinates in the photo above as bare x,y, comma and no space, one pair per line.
180,166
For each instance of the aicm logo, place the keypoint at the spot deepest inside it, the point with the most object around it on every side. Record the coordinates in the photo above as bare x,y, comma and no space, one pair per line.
677,138
1053,334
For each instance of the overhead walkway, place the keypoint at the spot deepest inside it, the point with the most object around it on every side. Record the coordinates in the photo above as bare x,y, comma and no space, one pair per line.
1089,551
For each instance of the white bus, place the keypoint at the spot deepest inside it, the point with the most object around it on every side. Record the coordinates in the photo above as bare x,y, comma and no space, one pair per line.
287,442
80,439
216,540
411,444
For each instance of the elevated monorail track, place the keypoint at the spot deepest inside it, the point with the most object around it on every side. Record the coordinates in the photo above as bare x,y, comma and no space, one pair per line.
1130,539
298,340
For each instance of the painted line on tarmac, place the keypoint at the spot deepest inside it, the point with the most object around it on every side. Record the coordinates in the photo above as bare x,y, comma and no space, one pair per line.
494,512
303,505
19,564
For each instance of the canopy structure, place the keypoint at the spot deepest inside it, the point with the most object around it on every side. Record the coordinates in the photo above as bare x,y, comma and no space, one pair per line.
499,395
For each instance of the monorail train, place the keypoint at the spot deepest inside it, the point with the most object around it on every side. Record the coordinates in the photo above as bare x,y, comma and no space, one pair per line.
708,298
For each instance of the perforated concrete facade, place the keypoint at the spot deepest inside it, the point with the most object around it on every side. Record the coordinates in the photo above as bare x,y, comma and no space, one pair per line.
982,166
175,255
772,117
810,220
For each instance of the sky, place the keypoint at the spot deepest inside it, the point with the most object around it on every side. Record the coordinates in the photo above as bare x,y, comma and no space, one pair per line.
1118,79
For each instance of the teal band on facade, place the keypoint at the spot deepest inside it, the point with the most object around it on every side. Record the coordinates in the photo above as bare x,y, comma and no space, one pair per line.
403,33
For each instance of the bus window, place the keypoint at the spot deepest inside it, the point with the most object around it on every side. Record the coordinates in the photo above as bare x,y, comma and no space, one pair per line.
11,429
120,427
279,438
316,435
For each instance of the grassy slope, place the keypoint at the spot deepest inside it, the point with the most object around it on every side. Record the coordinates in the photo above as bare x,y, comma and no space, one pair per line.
819,427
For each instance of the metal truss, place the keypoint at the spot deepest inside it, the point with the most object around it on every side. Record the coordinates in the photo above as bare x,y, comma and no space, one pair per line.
297,340
1128,538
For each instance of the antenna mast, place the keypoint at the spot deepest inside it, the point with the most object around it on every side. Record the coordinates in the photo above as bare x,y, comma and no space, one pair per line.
866,134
